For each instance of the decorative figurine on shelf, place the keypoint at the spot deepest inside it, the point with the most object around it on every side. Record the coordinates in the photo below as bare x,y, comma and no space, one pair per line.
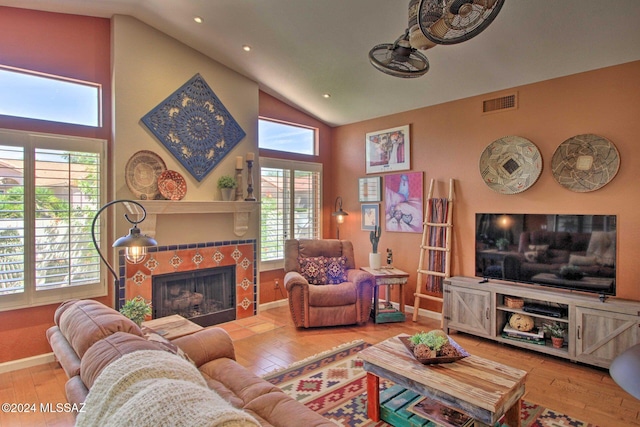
389,258
239,168
250,159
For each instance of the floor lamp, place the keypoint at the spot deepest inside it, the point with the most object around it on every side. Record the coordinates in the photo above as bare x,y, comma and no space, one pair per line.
339,213
135,244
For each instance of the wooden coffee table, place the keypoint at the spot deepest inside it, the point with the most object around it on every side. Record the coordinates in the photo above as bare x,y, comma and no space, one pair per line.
483,389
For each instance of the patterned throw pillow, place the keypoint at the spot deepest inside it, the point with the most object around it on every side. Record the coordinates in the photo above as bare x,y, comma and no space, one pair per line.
312,269
336,270
323,270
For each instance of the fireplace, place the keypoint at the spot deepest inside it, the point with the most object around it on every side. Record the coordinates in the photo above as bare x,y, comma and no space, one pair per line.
205,297
234,258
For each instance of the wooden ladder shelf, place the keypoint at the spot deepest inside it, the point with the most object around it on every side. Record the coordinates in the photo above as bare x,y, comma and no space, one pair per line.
435,249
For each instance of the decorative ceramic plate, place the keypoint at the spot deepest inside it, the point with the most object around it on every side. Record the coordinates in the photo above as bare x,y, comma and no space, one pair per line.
510,165
142,172
434,360
585,163
172,185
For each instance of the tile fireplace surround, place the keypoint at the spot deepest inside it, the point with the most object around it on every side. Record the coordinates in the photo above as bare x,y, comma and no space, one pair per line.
135,279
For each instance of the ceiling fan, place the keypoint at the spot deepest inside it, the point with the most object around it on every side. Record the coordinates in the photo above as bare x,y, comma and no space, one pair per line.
432,22
399,59
455,21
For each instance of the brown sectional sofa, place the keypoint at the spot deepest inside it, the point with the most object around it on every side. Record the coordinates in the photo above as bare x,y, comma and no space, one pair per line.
88,336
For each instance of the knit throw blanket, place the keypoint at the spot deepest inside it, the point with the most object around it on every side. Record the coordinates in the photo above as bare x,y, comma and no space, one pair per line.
156,388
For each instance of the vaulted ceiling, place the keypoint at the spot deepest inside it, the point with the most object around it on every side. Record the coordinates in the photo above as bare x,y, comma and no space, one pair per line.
302,49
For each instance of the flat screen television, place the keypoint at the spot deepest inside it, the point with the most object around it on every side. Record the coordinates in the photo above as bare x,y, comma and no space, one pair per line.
575,252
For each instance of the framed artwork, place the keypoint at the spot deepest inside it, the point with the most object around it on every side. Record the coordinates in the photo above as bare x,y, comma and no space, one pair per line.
403,202
370,216
370,189
388,150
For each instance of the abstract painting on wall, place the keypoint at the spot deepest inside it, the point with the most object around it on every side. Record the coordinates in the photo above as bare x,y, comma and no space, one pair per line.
403,202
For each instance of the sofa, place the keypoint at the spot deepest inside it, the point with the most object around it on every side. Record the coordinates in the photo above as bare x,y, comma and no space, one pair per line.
323,284
89,338
548,251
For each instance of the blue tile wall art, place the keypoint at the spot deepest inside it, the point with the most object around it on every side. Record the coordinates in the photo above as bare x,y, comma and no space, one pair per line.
195,127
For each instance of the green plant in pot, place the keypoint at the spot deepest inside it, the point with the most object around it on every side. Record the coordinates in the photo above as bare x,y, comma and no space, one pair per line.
556,330
226,184
375,259
136,309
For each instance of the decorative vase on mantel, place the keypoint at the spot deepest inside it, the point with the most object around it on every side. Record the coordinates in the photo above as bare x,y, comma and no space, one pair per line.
227,194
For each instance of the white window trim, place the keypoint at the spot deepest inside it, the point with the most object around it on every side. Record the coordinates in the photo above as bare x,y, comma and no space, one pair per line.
269,162
31,298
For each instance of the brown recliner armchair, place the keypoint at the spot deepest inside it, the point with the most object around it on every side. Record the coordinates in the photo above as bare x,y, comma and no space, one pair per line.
338,294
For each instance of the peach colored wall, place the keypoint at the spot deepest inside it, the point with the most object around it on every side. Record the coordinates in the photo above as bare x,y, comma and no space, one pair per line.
448,139
68,45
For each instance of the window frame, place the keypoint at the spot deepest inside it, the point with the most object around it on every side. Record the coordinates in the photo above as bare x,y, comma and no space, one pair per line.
292,166
67,80
30,141
316,139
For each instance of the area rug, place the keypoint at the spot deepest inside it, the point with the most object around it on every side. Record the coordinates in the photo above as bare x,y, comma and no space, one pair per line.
334,385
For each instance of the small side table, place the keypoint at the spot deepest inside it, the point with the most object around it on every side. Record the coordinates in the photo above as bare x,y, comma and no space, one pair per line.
171,327
387,277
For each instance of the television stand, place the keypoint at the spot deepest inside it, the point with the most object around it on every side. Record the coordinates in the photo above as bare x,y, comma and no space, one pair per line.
596,332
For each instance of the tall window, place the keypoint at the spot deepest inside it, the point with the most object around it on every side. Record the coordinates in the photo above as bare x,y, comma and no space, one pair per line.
51,186
291,205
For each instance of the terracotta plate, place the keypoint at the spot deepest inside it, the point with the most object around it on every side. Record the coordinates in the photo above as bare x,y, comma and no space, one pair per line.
172,185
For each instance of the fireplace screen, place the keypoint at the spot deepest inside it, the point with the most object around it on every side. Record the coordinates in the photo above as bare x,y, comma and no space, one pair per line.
205,297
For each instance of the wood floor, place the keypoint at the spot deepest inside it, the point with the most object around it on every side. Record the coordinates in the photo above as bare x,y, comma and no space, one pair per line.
269,341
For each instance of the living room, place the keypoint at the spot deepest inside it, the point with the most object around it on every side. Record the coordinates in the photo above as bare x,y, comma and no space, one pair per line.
446,142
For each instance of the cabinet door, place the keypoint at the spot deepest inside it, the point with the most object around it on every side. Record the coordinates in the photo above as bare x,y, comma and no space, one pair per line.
602,335
468,310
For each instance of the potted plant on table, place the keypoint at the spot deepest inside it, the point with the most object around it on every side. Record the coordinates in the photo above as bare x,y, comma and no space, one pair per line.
556,330
136,309
375,259
226,184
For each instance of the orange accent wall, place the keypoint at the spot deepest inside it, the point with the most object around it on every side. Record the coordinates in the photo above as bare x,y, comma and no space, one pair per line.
69,45
448,139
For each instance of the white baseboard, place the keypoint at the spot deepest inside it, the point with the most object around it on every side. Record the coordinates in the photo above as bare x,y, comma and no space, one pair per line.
27,362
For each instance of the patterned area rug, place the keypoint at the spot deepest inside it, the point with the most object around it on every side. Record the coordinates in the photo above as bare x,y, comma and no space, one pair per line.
334,385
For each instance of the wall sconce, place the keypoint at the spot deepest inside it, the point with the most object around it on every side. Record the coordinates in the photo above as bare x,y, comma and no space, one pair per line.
134,243
339,213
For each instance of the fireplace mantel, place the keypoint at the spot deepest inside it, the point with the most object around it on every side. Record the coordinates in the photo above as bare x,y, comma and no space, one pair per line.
240,211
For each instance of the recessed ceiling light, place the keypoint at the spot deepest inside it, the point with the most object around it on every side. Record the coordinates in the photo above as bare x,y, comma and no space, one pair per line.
246,47
326,95
198,19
